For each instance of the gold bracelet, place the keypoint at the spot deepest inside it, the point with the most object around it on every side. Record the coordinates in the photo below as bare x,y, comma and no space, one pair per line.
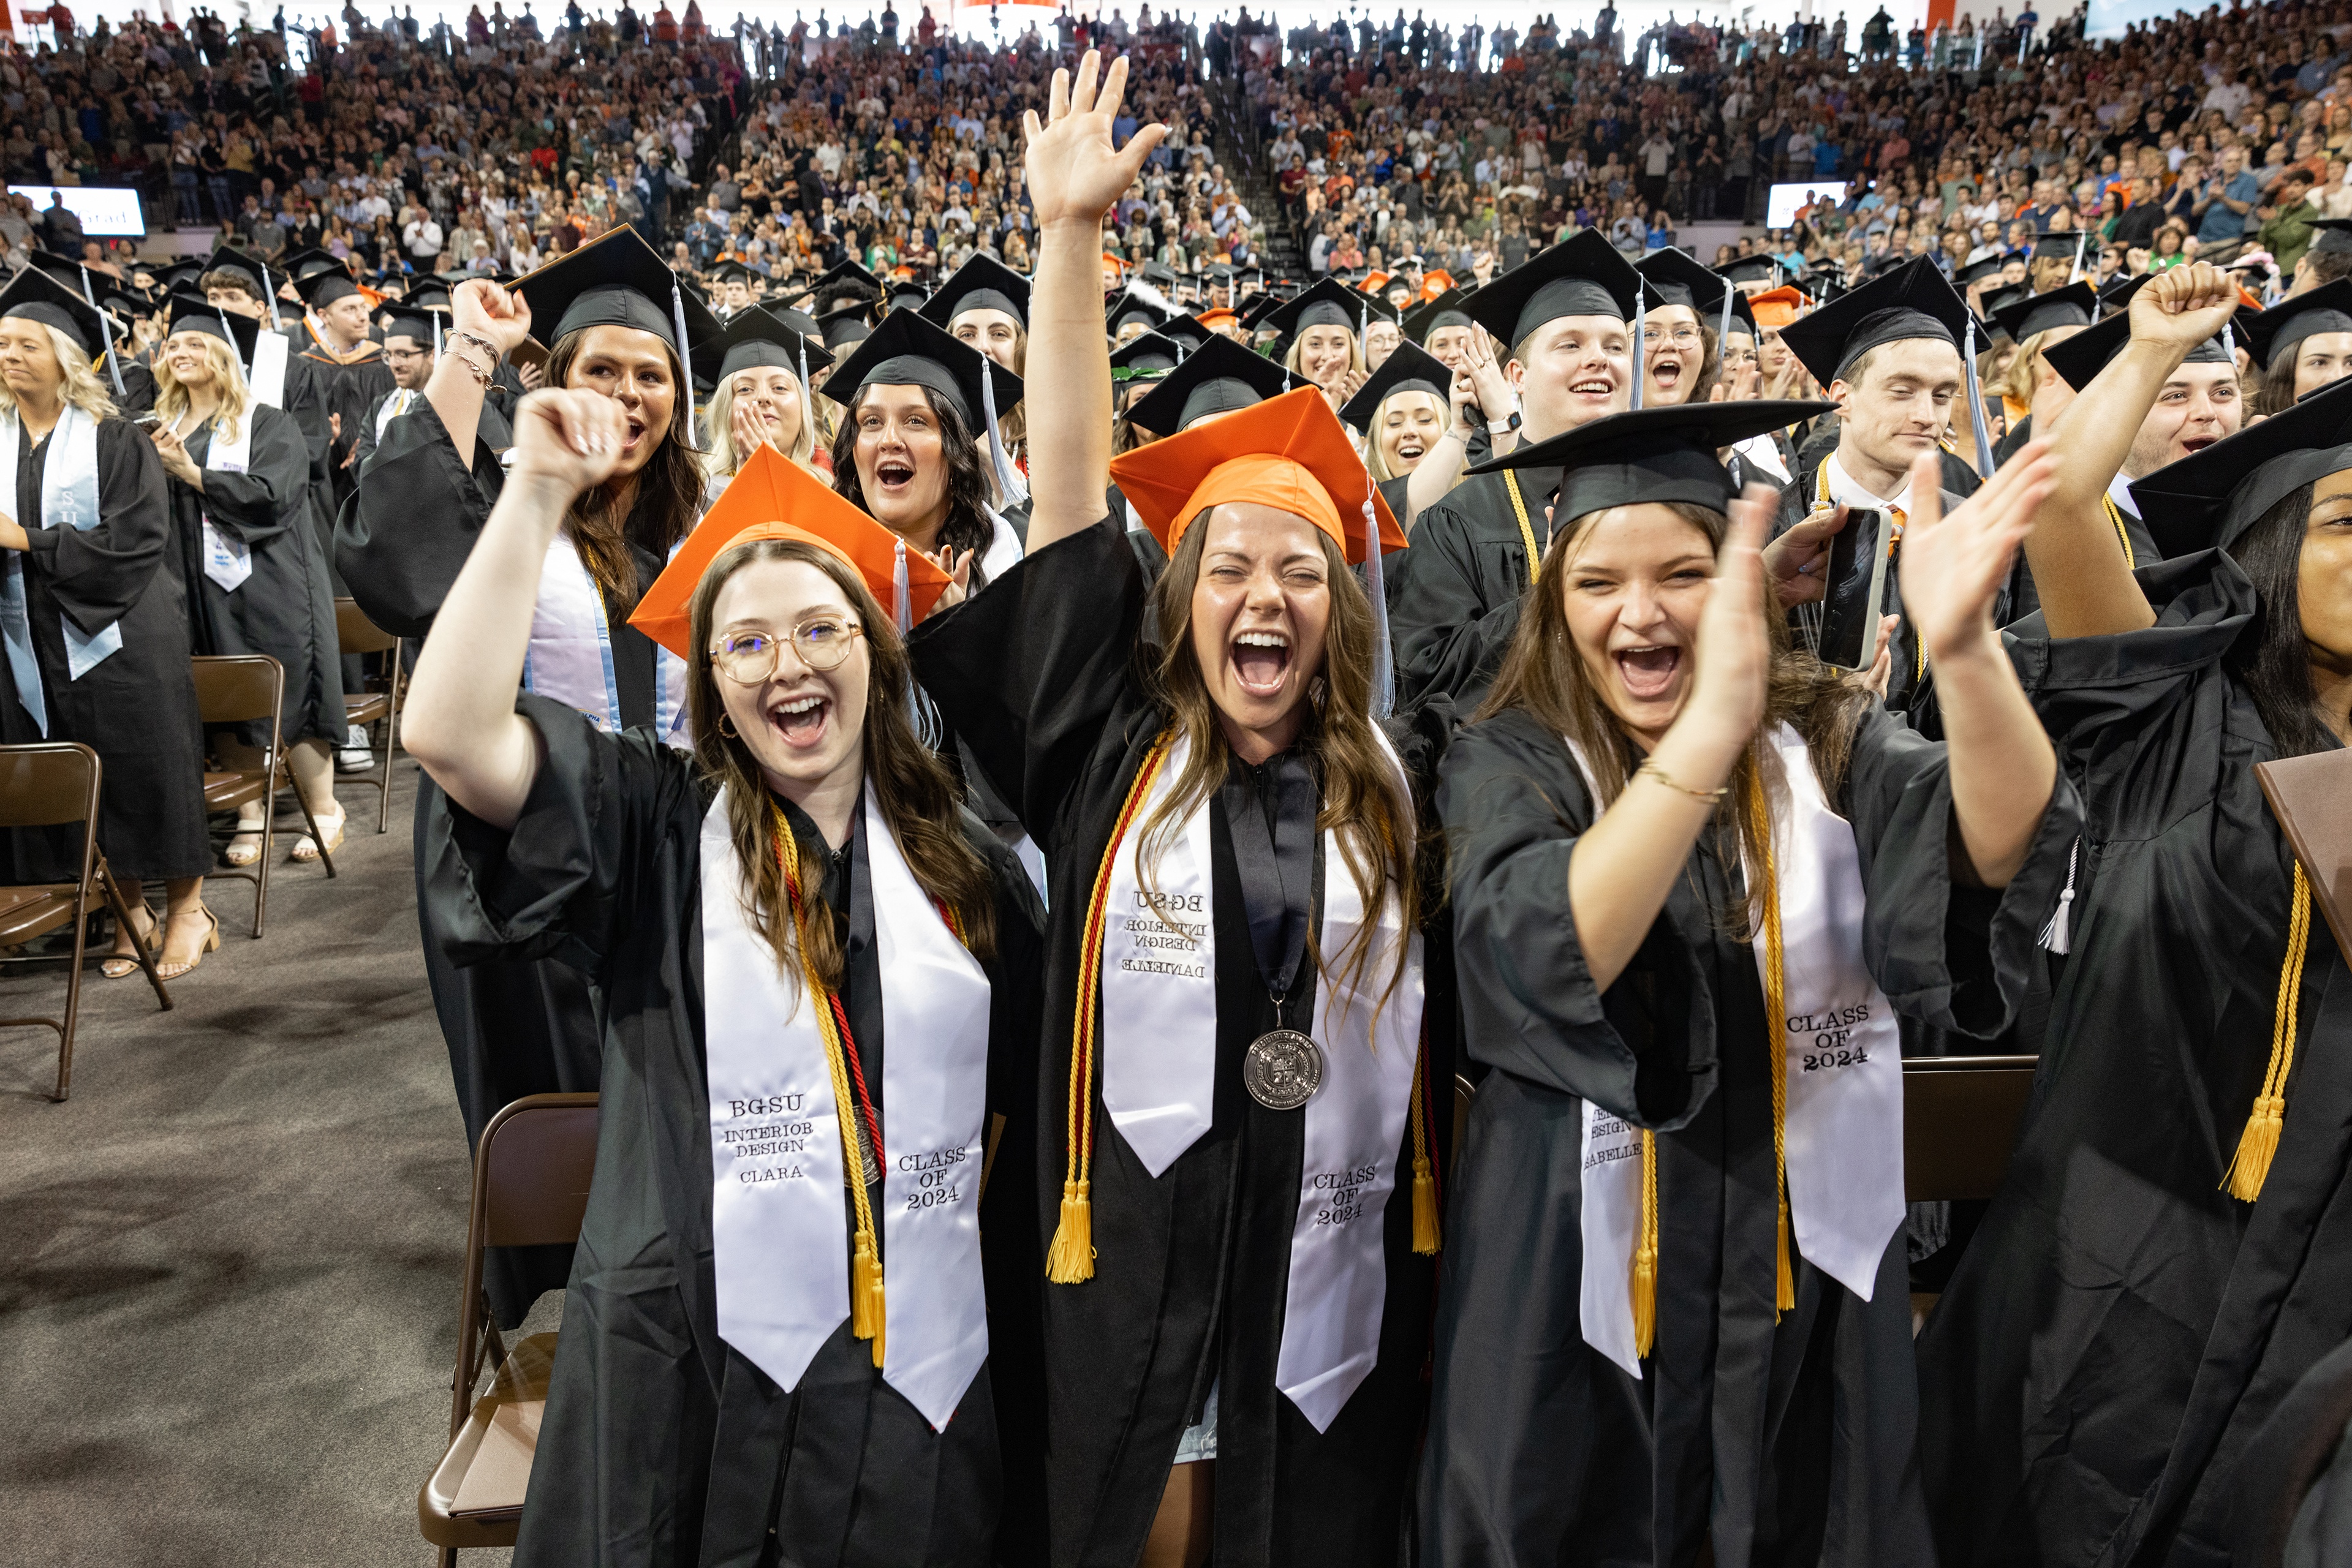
1651,770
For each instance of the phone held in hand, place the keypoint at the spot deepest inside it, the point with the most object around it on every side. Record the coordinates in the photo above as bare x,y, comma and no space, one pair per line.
146,421
1856,594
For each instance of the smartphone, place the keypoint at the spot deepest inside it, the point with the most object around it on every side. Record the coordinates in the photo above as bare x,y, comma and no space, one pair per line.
1855,596
146,421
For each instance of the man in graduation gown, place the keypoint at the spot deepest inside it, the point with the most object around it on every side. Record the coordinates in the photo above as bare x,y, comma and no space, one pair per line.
1566,314
412,338
351,371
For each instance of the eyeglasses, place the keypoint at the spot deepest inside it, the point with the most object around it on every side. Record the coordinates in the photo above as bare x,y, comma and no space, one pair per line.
820,643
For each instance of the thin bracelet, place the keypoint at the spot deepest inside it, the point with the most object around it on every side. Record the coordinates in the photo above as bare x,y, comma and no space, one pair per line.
476,337
1651,770
481,376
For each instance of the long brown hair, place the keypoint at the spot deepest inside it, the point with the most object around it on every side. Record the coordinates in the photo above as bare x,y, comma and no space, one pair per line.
667,490
966,526
918,795
1359,784
1545,674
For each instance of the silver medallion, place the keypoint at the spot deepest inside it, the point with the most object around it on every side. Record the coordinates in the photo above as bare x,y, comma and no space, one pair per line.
1283,1069
866,1164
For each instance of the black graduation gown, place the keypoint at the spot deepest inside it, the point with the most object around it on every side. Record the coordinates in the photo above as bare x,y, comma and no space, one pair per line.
1791,1443
1191,1267
1454,598
513,1026
349,392
2121,1326
305,397
138,708
662,1445
286,608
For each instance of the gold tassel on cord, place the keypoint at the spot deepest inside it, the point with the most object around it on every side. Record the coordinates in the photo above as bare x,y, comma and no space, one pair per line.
1424,1175
2259,1143
1775,1009
866,1316
1070,1261
1645,1252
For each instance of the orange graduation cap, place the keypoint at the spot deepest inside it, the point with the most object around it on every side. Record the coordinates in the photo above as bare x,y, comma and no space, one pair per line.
1776,308
771,497
1288,453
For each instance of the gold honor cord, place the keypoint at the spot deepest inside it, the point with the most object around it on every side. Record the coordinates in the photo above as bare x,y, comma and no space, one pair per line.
1526,530
1759,822
866,1317
1645,1252
1425,1240
2259,1143
2123,533
1070,1259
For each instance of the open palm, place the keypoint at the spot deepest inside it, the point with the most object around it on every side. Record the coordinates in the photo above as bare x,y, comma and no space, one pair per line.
1075,174
1953,568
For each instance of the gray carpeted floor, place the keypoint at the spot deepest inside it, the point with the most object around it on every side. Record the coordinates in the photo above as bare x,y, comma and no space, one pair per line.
229,1264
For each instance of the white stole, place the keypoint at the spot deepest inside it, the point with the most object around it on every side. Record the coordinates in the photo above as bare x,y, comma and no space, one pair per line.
1844,1066
68,496
228,560
778,1211
570,656
1159,1059
267,379
1003,551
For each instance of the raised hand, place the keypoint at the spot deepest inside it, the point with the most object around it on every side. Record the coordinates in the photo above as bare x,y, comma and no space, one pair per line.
482,307
1734,658
1075,174
1953,568
748,427
567,440
2182,308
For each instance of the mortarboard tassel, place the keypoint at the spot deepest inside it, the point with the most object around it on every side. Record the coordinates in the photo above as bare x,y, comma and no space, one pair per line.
2082,237
1640,331
105,334
1009,485
1376,587
1723,333
271,295
2230,340
902,604
1976,403
2258,1145
437,335
2055,936
807,397
678,324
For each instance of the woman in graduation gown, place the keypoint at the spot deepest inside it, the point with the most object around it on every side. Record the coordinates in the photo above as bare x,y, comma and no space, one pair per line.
98,651
249,558
1655,1336
1411,412
616,324
1235,1316
759,369
2168,1251
754,1365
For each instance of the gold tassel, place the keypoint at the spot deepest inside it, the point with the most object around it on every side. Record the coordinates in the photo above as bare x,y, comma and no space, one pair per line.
1775,1009
866,1316
1424,1207
2258,1145
1645,1253
1784,1295
1070,1261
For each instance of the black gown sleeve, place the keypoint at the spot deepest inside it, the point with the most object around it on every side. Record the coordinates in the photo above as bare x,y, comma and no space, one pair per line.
413,521
1514,805
270,495
100,573
1029,670
1445,642
564,882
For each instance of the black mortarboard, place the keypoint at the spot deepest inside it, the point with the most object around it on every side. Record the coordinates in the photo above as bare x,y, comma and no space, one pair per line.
264,277
2209,498
1651,455
906,294
193,313
2064,244
2083,356
34,296
845,326
1977,272
2331,236
1330,303
408,319
1751,269
2326,309
1217,377
1582,276
1912,301
2000,299
1445,310
1677,279
729,271
846,281
906,349
616,280
1409,368
308,262
1128,306
1186,331
753,337
2073,306
321,286
179,275
983,283
1148,357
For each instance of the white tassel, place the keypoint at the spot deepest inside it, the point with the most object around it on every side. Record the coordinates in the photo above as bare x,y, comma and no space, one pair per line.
1376,586
271,295
1641,330
105,333
902,600
2055,936
2075,271
1008,477
1976,403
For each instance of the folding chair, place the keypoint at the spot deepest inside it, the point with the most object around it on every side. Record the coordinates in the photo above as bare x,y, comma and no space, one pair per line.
243,688
46,785
531,1189
358,635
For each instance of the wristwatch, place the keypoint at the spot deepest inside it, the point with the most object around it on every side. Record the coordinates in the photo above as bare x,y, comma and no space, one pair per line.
1501,426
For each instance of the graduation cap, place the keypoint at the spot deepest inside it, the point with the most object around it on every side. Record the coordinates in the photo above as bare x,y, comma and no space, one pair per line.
2331,236
1217,377
906,294
846,281
1129,306
907,350
1409,368
754,336
1653,455
842,326
2326,309
772,497
2065,244
1288,453
34,296
1189,331
616,280
228,258
417,314
193,313
1761,269
1148,357
1435,315
1677,279
731,271
323,285
2021,318
1912,301
308,262
1776,308
1212,320
1582,276
1330,303
2209,498
2000,299
1976,272
979,283
179,275
2082,357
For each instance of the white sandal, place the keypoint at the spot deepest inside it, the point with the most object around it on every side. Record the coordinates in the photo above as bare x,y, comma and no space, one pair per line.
306,849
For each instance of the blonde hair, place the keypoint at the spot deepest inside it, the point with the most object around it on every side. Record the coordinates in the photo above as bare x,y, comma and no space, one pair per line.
235,397
1376,456
1355,352
81,387
722,460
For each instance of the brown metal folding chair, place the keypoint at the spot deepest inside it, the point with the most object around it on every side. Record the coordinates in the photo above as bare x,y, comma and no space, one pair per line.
49,784
531,1189
242,688
358,635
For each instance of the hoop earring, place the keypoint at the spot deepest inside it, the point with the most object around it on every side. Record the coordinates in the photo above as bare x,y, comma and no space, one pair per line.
724,730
